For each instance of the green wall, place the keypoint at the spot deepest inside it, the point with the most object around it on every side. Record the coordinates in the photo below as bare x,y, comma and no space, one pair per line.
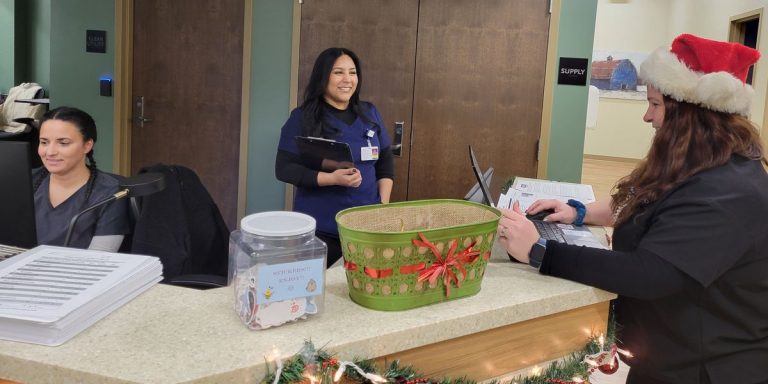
31,42
25,38
7,12
38,47
75,73
269,100
569,107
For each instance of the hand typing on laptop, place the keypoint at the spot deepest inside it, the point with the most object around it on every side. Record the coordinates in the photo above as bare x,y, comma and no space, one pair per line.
597,213
516,233
555,210
551,220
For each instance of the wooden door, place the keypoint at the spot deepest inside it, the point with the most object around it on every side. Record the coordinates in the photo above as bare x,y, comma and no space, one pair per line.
480,81
457,72
383,35
187,66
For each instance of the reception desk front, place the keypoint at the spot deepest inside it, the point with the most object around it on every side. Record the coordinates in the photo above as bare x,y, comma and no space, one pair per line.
179,335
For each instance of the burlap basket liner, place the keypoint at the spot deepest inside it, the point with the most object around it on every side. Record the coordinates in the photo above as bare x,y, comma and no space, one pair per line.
383,264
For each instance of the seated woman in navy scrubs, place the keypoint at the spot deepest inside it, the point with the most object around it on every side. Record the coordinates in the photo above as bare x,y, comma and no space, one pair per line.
332,109
69,182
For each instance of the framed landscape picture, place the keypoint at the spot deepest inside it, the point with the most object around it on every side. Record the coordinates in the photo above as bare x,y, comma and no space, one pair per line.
616,75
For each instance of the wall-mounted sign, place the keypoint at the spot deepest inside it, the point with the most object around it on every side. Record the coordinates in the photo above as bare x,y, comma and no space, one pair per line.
95,41
572,71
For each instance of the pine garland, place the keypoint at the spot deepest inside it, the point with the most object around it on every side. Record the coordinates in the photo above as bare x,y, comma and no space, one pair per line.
324,365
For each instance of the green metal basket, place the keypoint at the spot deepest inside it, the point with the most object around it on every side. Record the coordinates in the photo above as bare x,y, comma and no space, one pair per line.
384,265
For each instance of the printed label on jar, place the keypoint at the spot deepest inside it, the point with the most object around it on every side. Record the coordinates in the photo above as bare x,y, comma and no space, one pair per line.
278,282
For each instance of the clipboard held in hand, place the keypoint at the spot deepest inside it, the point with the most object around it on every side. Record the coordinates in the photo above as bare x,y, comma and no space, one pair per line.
331,154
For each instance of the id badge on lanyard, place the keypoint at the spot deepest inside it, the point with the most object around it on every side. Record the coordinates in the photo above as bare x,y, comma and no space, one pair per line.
370,152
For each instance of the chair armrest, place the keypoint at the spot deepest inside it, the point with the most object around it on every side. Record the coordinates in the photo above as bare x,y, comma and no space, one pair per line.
31,125
199,281
24,120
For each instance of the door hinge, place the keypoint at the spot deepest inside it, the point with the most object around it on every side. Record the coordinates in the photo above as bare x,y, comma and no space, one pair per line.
536,151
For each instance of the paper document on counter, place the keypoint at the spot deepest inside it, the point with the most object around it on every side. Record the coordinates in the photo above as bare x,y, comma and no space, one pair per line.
48,294
527,191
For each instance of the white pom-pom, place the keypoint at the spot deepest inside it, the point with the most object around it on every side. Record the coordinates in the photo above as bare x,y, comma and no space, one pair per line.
722,92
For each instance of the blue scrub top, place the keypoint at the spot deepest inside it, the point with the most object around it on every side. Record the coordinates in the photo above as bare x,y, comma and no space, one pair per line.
323,203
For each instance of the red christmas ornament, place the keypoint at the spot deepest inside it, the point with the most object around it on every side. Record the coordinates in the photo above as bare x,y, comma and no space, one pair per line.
609,369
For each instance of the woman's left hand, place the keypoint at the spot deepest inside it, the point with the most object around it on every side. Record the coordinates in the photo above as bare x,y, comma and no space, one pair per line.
516,233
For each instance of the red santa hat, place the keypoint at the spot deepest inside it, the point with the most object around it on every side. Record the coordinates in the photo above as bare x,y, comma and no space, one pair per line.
705,72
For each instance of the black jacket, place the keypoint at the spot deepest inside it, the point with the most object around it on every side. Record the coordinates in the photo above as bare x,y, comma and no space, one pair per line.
182,226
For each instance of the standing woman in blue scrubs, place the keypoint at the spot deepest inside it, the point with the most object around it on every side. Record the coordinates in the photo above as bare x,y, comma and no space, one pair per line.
332,109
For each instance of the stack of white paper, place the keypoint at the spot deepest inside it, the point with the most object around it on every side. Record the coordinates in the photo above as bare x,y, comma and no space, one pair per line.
50,294
527,191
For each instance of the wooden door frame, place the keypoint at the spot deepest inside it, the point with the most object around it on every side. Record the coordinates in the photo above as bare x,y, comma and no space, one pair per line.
123,103
549,90
735,34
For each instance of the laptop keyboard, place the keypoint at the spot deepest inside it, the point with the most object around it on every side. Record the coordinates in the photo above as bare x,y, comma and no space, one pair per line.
7,251
549,231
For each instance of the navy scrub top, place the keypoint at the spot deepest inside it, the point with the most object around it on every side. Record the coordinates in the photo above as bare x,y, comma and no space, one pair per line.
323,203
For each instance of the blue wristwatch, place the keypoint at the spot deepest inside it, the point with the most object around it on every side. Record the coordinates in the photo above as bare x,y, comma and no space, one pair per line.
581,211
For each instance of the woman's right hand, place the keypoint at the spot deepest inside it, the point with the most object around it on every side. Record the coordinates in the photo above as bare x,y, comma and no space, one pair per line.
347,177
563,212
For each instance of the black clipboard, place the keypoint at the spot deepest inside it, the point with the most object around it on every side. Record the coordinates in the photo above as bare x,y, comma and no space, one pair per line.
324,154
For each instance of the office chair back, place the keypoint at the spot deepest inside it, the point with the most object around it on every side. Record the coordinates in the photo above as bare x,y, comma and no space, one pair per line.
183,227
19,121
17,118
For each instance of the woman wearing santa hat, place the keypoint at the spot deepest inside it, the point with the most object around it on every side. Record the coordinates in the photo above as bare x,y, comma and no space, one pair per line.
690,243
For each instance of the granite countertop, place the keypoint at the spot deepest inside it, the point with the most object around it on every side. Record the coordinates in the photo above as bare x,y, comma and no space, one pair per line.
179,335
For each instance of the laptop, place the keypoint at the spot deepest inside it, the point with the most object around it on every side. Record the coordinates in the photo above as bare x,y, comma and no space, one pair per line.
17,205
564,233
475,194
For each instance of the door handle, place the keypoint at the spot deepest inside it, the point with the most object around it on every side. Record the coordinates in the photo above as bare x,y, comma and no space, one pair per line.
138,112
397,146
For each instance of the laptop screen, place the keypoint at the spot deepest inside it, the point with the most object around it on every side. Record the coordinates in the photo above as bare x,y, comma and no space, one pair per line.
487,199
17,207
475,194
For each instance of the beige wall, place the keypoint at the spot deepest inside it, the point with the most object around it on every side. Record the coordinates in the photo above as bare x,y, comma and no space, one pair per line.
628,26
643,26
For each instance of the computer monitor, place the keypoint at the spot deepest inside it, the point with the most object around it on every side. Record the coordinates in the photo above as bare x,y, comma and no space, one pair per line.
481,181
17,204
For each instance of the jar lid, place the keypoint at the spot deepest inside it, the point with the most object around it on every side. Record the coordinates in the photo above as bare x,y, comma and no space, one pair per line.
278,223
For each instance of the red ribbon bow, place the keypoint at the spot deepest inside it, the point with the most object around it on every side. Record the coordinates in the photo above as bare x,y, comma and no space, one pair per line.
442,267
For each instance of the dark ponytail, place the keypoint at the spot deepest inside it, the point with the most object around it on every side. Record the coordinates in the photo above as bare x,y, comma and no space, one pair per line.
39,180
91,179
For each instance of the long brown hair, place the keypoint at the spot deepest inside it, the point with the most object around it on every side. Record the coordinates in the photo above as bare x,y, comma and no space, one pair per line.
691,139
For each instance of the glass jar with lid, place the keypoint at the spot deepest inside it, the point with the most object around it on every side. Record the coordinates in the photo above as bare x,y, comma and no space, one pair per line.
277,269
